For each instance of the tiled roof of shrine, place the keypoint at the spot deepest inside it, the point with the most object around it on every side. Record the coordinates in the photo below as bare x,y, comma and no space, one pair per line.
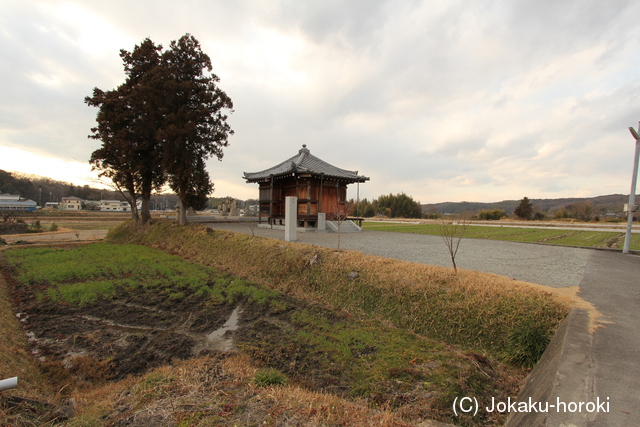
305,163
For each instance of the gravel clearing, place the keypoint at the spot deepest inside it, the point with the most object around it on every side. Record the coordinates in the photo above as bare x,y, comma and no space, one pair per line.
554,266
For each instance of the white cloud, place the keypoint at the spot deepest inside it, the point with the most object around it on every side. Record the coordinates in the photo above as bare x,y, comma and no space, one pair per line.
443,101
79,173
94,35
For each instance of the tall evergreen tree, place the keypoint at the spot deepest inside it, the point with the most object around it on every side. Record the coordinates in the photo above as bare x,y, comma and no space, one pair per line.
195,127
114,159
128,120
524,210
162,123
143,67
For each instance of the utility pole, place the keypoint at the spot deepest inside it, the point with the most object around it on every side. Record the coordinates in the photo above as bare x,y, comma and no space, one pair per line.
632,196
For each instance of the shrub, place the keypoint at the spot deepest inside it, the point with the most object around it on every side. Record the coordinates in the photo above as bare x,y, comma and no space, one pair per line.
53,227
561,214
527,343
539,216
614,220
495,214
269,378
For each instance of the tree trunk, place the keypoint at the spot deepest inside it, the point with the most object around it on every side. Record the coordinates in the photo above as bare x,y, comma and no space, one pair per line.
183,211
134,208
144,210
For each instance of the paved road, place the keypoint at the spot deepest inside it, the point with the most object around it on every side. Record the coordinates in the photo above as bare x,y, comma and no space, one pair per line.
612,283
609,280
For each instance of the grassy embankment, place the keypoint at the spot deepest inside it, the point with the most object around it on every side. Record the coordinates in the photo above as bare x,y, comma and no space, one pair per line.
15,358
469,308
577,237
400,321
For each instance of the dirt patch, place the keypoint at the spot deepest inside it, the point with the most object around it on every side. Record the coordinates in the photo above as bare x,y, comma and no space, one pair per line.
138,331
614,241
128,335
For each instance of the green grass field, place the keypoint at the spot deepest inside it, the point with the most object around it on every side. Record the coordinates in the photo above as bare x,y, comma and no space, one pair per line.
602,239
86,273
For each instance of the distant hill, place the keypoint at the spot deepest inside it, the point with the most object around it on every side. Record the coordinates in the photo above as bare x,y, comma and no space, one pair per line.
601,204
42,190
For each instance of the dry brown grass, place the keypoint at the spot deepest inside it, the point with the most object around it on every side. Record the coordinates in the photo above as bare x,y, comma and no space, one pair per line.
15,357
17,361
569,296
218,391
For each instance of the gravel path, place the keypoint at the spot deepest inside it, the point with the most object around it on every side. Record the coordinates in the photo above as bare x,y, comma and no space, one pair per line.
543,264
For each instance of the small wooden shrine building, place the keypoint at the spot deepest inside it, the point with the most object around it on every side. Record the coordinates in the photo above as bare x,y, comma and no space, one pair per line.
319,186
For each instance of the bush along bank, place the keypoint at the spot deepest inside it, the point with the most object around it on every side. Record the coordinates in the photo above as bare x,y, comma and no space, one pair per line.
508,319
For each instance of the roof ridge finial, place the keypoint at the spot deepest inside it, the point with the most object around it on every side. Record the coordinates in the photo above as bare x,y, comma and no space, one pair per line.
302,154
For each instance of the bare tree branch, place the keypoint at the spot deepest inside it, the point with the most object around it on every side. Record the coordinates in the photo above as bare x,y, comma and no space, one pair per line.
452,231
339,217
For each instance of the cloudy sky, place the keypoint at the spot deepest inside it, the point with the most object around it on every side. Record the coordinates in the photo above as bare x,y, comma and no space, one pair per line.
442,100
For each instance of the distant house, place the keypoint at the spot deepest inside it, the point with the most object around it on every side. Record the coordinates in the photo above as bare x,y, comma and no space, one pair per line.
71,203
111,205
92,205
116,206
51,205
10,202
251,210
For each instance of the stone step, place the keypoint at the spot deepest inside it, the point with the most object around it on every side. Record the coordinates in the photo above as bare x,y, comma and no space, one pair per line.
345,227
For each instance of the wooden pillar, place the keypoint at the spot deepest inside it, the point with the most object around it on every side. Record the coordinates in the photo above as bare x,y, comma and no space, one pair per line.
271,200
320,195
259,206
308,196
338,199
297,195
